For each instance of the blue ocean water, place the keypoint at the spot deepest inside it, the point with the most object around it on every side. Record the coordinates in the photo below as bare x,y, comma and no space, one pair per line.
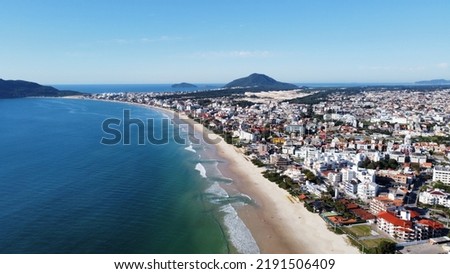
61,191
103,88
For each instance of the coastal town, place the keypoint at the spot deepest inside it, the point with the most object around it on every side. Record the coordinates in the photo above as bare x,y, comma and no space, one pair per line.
373,162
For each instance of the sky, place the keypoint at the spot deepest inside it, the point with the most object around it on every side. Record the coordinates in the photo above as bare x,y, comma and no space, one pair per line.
170,41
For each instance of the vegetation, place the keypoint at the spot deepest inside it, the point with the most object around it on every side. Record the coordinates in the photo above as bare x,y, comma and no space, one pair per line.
228,137
442,186
382,164
283,181
358,230
379,246
184,85
243,103
379,131
310,176
434,139
415,167
19,88
323,94
261,81
437,210
374,246
258,163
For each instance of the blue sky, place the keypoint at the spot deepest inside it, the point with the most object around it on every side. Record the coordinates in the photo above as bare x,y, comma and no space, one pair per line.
136,41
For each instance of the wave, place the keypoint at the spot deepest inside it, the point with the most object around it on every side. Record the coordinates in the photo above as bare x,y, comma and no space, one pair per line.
201,169
190,148
246,197
238,233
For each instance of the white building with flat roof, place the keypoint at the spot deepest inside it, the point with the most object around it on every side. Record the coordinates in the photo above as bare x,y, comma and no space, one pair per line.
441,173
367,190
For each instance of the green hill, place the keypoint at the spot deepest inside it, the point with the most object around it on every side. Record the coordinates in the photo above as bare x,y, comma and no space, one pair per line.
260,82
184,85
434,82
20,88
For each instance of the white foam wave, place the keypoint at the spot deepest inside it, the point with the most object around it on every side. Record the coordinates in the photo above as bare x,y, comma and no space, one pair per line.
215,189
190,148
238,233
201,169
246,196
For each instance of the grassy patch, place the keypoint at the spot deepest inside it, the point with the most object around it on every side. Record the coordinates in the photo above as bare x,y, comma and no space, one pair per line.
359,230
373,243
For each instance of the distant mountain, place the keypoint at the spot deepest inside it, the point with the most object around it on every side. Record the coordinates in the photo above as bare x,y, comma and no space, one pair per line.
261,82
20,88
184,85
434,82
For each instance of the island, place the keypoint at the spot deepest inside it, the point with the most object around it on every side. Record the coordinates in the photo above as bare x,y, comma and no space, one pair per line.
19,89
434,82
261,82
184,85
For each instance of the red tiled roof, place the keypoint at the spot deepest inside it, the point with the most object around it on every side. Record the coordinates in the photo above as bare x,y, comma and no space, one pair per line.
391,218
381,198
385,200
341,220
431,223
363,214
351,206
436,192
414,214
302,196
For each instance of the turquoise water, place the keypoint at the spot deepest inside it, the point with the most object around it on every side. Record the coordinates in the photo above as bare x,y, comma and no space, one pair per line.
61,191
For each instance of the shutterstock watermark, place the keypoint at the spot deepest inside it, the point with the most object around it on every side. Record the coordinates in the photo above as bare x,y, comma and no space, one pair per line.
153,131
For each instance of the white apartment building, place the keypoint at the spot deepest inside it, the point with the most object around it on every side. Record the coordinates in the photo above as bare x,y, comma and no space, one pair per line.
348,174
244,136
351,186
365,175
435,197
335,177
367,190
441,173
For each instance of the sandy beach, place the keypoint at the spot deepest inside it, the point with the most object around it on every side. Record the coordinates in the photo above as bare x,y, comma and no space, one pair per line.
277,223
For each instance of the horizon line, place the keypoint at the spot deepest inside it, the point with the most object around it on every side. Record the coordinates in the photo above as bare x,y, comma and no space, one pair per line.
224,83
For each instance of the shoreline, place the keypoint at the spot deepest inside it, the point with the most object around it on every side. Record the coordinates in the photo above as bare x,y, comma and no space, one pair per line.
278,224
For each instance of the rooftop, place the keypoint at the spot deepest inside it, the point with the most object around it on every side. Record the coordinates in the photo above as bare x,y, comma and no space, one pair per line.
442,168
391,218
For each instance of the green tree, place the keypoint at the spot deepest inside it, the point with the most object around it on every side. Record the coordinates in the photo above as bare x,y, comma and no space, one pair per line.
386,247
415,167
392,163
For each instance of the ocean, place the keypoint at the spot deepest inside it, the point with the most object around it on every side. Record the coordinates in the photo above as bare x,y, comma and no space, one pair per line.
62,191
104,88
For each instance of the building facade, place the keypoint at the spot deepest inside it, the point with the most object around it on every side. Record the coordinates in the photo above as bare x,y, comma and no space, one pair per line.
441,173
